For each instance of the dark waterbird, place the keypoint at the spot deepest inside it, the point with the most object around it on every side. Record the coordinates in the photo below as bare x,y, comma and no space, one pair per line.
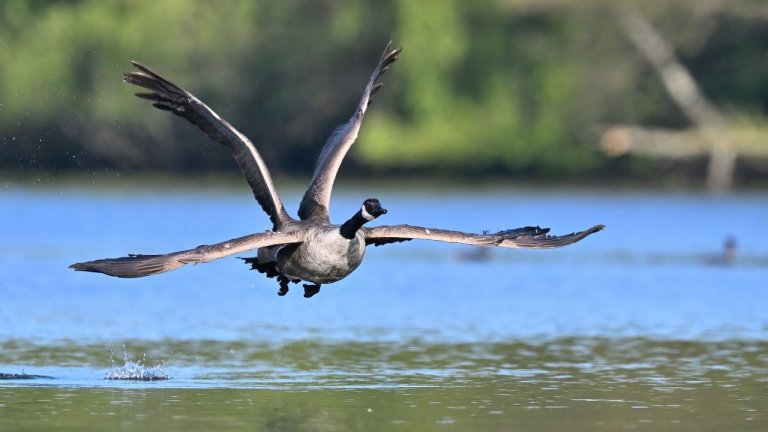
310,248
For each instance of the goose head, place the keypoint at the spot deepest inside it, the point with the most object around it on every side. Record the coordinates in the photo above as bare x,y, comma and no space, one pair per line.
370,210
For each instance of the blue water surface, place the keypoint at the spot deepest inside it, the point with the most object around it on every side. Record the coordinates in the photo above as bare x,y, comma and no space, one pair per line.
651,273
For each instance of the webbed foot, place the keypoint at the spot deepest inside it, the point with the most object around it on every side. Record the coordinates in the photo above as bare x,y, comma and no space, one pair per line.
310,290
283,285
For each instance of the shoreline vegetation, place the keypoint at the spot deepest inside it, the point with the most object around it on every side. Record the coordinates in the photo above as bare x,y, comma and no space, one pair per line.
494,89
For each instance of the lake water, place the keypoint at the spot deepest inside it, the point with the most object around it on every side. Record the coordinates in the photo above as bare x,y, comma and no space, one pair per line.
637,327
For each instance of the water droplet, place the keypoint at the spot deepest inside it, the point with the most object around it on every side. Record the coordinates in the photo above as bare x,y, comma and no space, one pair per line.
136,371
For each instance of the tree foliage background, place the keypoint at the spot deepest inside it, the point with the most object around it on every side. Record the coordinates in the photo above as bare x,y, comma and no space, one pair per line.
513,87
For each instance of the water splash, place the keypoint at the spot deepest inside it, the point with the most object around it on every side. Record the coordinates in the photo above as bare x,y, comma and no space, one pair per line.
136,371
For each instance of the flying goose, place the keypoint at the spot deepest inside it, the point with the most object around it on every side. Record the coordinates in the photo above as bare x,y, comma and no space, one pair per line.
310,248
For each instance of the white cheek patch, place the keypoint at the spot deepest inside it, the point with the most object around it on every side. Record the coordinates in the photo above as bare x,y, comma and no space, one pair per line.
367,216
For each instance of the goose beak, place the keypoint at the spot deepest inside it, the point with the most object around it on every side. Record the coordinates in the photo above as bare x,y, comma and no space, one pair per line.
377,211
373,207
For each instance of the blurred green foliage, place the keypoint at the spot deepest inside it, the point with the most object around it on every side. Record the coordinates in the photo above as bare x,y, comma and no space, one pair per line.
488,86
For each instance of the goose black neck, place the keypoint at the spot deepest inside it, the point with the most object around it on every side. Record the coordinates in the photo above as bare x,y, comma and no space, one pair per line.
349,228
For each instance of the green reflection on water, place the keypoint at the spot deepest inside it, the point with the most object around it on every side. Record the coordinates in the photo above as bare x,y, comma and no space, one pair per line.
486,404
562,384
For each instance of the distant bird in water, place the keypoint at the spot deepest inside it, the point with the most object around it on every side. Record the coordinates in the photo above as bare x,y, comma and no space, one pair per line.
727,256
476,254
310,248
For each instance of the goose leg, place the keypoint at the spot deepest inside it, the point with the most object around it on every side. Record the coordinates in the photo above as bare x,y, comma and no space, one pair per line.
310,290
283,285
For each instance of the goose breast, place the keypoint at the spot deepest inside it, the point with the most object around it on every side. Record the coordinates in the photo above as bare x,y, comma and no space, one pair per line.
324,256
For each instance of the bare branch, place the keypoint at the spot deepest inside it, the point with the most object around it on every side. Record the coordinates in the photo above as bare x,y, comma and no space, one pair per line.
684,91
681,144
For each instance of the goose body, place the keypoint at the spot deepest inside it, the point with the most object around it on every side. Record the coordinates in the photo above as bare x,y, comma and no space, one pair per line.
323,257
328,253
309,248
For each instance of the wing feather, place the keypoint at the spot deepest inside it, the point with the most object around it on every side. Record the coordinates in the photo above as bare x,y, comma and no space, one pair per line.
167,96
137,265
315,203
526,237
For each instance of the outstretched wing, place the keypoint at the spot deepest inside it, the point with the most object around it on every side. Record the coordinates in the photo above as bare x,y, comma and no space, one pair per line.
527,237
168,96
315,203
145,265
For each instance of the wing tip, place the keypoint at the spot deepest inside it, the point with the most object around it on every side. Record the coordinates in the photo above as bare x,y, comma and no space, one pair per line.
149,79
580,235
546,241
93,267
144,69
79,267
594,229
132,266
